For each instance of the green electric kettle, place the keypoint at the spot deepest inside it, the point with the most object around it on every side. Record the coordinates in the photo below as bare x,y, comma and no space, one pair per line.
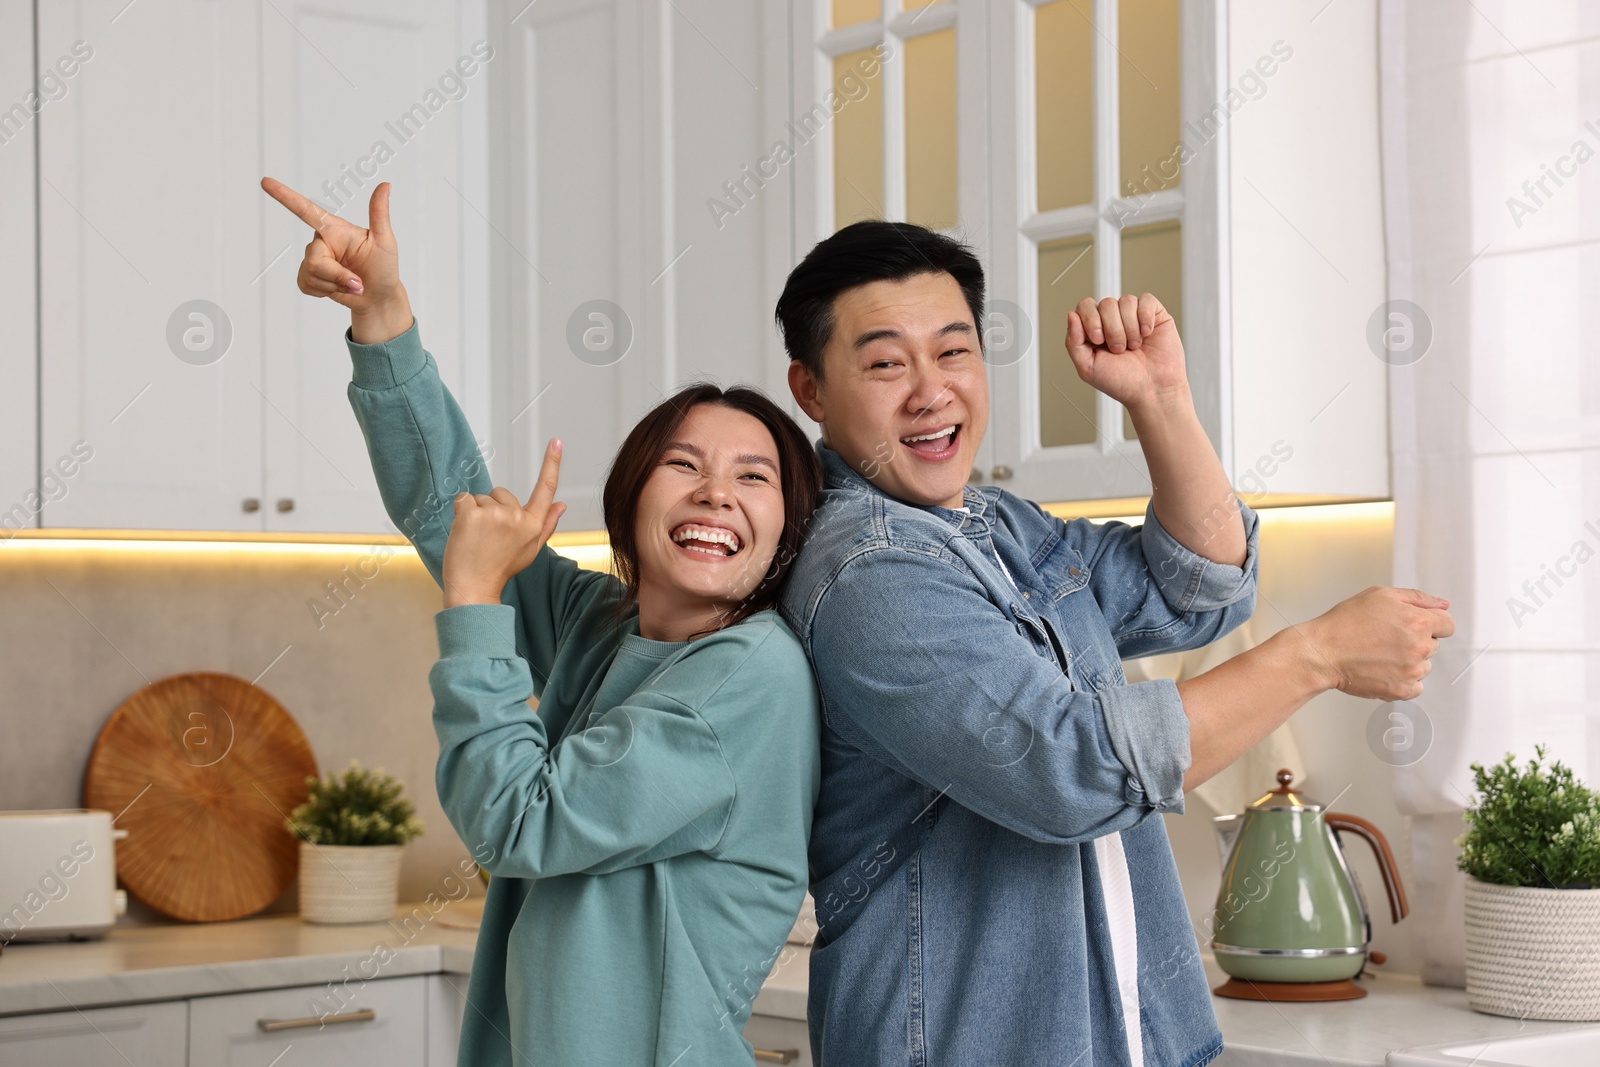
1291,922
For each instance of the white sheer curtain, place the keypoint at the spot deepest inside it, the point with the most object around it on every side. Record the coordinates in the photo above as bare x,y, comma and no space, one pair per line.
1491,138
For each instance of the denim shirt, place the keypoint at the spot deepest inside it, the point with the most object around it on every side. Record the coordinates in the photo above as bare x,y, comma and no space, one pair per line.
978,736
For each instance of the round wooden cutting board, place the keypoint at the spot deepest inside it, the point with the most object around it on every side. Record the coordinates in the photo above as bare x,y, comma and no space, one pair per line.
202,769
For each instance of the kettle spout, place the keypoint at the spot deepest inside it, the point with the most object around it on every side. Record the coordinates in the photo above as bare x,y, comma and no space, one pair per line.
1227,827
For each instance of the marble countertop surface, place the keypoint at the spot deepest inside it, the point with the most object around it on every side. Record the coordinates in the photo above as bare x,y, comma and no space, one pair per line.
1398,1012
168,961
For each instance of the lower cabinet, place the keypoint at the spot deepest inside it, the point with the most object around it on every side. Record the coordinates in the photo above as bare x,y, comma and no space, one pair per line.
396,1022
779,1040
144,1035
334,1024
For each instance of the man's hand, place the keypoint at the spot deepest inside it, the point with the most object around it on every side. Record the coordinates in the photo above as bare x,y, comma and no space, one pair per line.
493,537
359,268
1379,644
1128,349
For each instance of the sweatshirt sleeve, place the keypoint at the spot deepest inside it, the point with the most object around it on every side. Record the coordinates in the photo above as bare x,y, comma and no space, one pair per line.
423,454
646,779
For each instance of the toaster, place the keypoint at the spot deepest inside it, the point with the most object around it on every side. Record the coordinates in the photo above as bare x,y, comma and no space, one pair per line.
58,875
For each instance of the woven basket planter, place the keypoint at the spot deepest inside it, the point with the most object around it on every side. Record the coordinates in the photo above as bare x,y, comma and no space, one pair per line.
348,883
1533,953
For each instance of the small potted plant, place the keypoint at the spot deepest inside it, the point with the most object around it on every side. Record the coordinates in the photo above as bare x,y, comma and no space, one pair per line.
352,829
1532,858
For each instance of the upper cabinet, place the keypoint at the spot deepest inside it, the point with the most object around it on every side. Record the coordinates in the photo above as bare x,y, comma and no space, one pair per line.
634,251
175,345
21,496
1097,147
598,201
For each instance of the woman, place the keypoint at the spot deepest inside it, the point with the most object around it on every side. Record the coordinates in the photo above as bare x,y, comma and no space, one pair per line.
646,829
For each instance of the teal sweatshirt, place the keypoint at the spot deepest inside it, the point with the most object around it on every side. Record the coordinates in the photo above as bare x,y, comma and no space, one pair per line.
645,829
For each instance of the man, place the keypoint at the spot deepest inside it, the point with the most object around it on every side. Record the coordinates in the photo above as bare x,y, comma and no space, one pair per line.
989,884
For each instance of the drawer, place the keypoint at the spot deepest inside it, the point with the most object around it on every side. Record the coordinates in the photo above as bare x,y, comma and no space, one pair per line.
144,1035
381,1021
776,1040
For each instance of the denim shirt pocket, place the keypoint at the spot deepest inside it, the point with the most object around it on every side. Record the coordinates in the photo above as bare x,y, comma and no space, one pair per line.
1063,570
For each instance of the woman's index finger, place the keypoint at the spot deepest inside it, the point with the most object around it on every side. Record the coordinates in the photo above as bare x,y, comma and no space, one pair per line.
544,490
307,210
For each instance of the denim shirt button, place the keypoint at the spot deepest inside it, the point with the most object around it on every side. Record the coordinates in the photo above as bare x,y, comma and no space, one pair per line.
1027,595
1073,572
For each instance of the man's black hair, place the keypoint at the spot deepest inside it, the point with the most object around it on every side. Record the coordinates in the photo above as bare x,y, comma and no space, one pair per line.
861,253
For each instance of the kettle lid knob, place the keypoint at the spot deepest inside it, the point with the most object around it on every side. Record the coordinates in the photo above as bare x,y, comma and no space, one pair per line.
1285,776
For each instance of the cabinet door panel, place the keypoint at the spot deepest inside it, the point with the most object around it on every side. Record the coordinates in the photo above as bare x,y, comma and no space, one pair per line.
447,1007
19,456
148,161
226,1031
359,92
143,1035
572,285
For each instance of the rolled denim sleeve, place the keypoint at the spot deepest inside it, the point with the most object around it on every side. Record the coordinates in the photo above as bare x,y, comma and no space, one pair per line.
1190,582
1149,732
1156,594
918,668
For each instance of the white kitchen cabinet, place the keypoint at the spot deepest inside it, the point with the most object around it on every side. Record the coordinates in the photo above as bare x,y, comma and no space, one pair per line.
20,498
447,1007
779,1040
616,121
232,415
379,1021
146,165
140,1035
1269,246
354,93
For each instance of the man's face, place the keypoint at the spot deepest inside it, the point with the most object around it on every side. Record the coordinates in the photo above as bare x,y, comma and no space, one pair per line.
904,397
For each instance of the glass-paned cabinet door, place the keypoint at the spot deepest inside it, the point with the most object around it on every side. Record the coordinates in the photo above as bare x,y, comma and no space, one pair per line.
890,77
892,98
1099,189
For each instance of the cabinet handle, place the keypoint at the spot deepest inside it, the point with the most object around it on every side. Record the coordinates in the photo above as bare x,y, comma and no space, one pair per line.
360,1015
286,503
777,1055
1001,473
252,503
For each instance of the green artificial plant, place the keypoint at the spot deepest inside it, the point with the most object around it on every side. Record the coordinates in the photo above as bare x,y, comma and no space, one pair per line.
358,807
1534,827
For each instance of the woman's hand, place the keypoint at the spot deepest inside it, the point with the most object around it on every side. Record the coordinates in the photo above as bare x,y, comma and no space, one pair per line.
352,266
494,538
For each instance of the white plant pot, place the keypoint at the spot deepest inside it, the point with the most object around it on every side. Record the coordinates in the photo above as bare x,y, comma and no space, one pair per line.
348,883
1533,953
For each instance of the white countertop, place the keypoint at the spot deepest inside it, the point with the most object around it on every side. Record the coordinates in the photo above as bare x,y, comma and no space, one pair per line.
169,961
1398,1012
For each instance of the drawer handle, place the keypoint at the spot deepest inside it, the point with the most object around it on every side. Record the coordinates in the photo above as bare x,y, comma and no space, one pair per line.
360,1015
777,1055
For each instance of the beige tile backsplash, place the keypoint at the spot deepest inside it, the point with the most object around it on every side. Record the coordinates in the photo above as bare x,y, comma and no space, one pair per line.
86,628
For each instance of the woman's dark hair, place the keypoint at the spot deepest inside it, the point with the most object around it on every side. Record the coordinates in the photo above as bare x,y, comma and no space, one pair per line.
799,477
864,252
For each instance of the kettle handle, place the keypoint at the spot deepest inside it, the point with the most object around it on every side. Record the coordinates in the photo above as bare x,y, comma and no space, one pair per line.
1398,908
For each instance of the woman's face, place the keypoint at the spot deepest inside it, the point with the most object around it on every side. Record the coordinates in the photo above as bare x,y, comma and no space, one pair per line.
710,515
